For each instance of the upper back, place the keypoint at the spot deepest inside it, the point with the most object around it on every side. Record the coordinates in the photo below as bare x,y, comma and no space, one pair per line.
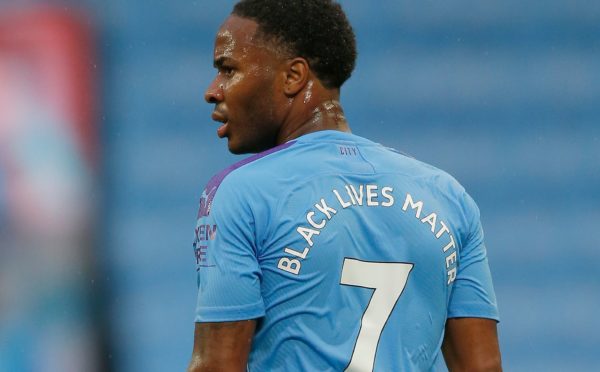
357,248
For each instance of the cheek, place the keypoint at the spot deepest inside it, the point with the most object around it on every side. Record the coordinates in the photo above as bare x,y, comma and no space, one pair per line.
234,81
250,97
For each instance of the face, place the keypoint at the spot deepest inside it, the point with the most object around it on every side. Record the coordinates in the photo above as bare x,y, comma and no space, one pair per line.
247,89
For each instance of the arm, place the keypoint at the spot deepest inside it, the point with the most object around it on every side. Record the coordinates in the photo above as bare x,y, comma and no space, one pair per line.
471,344
222,346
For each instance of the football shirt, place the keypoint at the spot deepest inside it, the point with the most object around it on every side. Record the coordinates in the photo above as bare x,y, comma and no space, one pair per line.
350,255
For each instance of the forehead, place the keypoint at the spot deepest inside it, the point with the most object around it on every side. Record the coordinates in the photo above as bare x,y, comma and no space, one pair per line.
236,35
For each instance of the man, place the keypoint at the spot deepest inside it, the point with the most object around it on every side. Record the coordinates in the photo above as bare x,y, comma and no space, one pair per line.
326,251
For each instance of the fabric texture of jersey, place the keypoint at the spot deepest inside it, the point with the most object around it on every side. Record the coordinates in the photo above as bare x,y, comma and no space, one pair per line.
350,255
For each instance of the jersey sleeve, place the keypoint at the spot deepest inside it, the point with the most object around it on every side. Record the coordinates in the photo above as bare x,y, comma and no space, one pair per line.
473,293
228,271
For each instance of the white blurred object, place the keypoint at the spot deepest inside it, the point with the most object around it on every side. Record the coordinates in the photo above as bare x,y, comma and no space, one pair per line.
48,183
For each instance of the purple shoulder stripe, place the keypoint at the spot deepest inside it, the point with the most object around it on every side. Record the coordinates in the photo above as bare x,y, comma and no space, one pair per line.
211,188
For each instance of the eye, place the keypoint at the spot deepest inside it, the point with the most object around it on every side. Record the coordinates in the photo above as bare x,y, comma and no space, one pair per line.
226,70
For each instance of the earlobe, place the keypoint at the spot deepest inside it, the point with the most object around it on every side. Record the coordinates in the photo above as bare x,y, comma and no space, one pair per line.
297,74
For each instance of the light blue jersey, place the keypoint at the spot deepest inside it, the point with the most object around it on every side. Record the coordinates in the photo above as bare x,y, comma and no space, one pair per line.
351,255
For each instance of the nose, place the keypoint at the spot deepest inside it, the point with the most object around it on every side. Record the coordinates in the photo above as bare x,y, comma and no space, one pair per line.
214,92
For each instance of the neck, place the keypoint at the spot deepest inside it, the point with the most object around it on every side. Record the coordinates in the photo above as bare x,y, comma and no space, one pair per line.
327,115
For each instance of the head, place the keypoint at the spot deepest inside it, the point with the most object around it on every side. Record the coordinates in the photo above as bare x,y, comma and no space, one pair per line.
267,54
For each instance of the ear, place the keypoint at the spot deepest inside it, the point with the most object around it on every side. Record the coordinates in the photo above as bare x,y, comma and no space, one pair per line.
297,74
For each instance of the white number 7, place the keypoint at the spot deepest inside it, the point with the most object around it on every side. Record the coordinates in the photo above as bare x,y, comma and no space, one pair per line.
388,280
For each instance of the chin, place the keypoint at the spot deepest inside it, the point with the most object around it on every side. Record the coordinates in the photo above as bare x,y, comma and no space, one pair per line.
237,148
247,147
235,151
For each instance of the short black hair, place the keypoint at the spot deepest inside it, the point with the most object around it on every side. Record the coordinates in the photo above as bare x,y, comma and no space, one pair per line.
317,30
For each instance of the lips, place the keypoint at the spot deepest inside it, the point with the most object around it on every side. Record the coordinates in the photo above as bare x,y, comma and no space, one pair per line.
220,117
222,131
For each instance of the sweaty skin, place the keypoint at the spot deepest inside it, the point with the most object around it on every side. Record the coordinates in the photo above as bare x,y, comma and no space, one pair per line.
263,98
222,346
471,344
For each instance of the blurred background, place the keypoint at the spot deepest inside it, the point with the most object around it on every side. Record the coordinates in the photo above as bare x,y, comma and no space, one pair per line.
106,144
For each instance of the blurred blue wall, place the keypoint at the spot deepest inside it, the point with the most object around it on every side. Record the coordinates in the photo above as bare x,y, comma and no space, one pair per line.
503,95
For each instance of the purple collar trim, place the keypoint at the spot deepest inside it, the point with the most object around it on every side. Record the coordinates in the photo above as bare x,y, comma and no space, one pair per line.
213,185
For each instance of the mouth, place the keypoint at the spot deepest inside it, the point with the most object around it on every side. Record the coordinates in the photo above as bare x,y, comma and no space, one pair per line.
221,118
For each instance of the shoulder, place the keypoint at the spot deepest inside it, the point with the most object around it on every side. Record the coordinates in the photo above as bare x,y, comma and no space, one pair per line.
242,178
446,187
437,182
426,173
